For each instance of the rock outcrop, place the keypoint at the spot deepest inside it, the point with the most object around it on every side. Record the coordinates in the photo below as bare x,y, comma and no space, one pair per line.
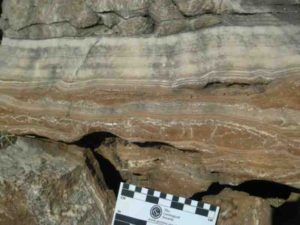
50,183
167,168
240,82
228,93
49,19
194,92
239,208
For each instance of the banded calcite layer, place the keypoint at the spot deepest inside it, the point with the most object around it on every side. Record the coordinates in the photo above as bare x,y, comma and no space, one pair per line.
233,87
230,93
184,94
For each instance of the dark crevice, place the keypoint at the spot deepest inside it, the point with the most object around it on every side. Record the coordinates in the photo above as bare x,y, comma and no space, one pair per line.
152,144
234,88
219,84
259,188
287,214
94,140
111,175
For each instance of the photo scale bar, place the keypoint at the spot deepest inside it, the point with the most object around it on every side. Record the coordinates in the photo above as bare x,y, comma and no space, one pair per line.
199,209
117,222
126,220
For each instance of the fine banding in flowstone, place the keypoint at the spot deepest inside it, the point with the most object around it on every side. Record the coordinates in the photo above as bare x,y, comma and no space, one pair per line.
174,95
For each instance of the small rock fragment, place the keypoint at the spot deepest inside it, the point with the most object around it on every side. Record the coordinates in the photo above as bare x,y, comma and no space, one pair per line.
135,26
239,208
162,10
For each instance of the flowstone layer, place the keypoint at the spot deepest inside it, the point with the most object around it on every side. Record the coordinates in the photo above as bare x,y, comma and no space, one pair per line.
176,95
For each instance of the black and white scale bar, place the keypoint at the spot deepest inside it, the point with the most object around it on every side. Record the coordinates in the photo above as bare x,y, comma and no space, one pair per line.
168,200
126,220
143,206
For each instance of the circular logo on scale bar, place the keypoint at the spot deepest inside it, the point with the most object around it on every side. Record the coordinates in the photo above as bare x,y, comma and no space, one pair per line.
156,212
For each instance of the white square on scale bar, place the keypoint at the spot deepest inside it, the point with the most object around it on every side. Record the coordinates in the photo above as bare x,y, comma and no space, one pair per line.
169,197
181,200
144,191
206,206
156,193
131,187
194,203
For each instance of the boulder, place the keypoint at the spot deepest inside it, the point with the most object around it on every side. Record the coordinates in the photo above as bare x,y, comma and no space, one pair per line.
43,182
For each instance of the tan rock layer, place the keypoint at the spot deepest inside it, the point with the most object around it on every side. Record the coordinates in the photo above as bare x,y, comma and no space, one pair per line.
227,77
167,168
229,93
239,208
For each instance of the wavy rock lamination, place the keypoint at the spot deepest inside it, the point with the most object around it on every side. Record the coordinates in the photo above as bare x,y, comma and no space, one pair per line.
228,92
191,94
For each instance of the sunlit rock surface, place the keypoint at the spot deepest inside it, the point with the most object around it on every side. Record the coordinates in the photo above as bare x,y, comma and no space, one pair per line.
239,208
187,172
43,19
228,93
196,92
49,183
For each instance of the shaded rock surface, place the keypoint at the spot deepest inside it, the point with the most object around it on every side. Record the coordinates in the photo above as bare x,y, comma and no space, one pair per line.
49,19
216,105
240,208
49,183
169,169
229,94
217,92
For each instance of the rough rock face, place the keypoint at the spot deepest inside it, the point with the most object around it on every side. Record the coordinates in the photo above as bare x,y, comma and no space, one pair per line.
167,168
228,93
50,183
196,92
239,208
207,84
48,19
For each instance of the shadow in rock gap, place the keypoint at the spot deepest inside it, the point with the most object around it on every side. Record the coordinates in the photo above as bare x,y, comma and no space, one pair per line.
111,175
258,188
287,214
152,144
93,140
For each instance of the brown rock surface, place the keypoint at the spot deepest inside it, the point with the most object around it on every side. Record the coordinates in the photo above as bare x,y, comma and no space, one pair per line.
49,183
172,170
229,99
220,104
239,208
213,89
